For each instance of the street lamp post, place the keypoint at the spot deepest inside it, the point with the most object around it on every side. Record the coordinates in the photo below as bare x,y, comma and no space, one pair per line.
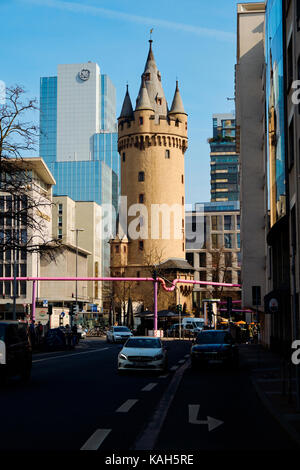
77,230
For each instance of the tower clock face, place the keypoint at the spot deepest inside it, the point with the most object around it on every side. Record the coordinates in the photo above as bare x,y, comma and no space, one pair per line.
84,74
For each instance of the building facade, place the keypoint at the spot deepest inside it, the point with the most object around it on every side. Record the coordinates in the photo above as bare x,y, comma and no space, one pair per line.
253,170
224,159
213,249
152,140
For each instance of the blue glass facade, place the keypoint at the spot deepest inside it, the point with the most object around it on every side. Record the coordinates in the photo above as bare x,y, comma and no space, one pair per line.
96,179
48,118
224,160
275,103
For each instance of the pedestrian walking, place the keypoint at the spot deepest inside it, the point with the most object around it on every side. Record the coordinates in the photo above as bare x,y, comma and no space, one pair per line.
32,334
74,335
68,336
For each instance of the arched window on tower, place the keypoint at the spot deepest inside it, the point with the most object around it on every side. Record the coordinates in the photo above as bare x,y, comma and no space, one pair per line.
167,154
141,176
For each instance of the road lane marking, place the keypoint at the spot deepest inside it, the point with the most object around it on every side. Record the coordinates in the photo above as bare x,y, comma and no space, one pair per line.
163,376
149,387
187,355
69,355
212,423
174,367
96,439
181,361
148,438
126,406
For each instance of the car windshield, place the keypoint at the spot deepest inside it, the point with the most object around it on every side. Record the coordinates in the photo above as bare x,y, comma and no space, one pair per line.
121,328
143,343
209,337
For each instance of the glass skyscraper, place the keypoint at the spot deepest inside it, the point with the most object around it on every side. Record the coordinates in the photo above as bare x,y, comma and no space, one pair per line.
224,159
78,136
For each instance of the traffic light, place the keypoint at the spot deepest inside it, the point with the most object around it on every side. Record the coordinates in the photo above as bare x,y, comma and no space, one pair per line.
209,312
229,305
74,309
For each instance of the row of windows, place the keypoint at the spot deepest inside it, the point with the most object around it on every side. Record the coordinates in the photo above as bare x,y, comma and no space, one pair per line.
167,155
201,259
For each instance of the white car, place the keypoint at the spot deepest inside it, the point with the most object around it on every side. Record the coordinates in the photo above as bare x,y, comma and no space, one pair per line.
142,353
118,334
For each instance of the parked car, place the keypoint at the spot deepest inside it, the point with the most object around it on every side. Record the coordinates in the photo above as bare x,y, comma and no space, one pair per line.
214,347
118,334
15,350
174,330
142,353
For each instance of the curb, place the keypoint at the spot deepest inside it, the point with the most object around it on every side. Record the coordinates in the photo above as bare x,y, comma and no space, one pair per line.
294,435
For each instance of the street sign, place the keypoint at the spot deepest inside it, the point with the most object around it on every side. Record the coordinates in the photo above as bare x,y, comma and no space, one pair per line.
62,314
45,303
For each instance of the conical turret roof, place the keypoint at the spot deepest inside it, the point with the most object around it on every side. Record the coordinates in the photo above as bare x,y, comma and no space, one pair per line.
177,105
153,85
143,101
127,110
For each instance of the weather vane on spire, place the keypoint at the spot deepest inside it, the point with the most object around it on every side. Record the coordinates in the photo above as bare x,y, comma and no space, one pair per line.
151,31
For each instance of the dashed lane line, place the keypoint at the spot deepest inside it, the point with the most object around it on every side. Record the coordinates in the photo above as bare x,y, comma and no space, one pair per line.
96,439
126,406
69,355
174,367
181,361
149,387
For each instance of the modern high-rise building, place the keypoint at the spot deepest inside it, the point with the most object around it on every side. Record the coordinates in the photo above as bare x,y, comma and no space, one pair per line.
224,159
78,138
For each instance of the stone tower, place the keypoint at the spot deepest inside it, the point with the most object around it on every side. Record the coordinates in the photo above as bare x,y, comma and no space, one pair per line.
152,140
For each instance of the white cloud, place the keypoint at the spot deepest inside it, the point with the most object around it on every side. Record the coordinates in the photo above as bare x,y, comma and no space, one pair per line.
97,11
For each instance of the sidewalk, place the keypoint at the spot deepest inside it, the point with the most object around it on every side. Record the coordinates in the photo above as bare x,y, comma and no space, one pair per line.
274,384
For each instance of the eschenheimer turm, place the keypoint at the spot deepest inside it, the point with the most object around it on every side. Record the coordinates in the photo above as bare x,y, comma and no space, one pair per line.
152,140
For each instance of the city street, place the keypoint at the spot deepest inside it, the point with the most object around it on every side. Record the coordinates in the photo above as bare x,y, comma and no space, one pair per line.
76,400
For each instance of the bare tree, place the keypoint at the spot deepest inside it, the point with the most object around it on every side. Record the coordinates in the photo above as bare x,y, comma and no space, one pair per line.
219,269
24,222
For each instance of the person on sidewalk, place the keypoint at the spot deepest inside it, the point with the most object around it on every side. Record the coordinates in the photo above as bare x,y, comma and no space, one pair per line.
68,336
75,339
32,334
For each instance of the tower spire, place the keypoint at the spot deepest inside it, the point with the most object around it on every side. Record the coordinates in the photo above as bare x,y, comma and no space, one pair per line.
127,110
177,104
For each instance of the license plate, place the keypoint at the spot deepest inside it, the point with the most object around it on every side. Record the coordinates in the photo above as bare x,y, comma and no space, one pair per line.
215,361
140,364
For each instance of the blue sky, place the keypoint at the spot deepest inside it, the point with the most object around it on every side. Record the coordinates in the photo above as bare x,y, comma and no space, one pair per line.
193,40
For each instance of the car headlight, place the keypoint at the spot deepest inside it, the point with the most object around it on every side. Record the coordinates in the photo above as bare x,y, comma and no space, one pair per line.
122,356
117,336
159,356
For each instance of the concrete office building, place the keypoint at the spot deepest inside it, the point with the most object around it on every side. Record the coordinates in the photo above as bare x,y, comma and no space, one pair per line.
86,216
253,172
32,263
224,159
213,249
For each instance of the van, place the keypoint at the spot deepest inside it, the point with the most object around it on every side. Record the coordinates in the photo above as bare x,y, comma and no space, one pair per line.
196,323
15,350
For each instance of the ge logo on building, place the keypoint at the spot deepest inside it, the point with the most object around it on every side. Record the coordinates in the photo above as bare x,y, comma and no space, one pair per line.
84,74
296,354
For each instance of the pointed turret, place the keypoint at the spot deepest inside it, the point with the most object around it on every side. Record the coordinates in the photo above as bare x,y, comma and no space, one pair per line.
177,105
127,111
143,101
153,84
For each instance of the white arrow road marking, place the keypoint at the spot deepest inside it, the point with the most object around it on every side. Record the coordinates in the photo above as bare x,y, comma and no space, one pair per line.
96,439
126,406
212,423
149,387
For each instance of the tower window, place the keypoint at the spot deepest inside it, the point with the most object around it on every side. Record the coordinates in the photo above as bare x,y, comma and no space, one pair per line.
182,200
159,101
177,123
141,245
117,249
123,156
141,176
124,249
141,120
182,179
128,124
141,198
147,76
167,154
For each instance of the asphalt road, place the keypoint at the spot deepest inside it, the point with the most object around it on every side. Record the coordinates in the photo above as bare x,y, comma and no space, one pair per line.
73,395
76,400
